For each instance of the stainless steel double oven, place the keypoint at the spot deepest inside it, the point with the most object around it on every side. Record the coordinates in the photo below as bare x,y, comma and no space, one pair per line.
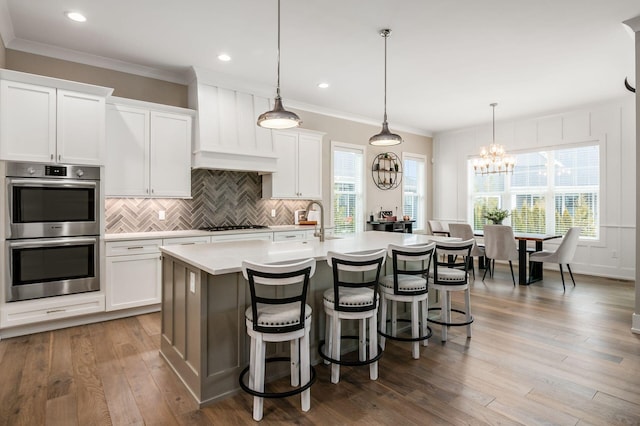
52,241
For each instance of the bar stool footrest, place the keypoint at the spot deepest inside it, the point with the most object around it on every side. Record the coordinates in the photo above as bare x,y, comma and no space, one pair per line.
453,324
291,392
406,339
346,362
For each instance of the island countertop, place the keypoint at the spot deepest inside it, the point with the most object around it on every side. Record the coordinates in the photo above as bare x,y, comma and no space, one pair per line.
226,256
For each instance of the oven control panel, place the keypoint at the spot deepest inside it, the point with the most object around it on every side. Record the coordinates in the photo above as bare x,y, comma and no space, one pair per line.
56,171
59,171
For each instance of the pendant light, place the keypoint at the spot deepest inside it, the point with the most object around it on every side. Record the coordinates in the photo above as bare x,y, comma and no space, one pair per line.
385,137
493,160
278,117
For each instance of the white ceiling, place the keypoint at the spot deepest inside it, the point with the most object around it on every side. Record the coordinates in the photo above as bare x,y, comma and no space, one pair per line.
447,60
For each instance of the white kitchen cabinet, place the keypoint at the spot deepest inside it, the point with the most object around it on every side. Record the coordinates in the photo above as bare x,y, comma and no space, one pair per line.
50,124
134,271
148,151
299,171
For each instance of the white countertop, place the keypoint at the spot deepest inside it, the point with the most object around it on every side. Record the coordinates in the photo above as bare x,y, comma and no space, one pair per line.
226,257
197,233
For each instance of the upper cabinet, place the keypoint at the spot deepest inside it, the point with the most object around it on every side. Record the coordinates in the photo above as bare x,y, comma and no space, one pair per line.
49,120
299,171
148,150
227,136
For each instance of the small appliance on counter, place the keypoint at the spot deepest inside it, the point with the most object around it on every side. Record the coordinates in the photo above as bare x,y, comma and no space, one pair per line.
299,216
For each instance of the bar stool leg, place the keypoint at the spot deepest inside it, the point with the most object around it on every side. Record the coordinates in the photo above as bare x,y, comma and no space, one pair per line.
259,378
362,343
415,328
335,354
467,303
305,370
373,347
328,328
295,362
425,315
383,319
394,318
252,364
444,311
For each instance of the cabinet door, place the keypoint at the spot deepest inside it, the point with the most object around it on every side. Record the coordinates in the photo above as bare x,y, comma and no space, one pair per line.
133,281
27,122
310,167
127,165
284,181
170,155
80,128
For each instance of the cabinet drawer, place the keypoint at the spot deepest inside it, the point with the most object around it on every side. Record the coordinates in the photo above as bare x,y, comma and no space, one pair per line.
186,241
32,311
290,235
268,236
129,247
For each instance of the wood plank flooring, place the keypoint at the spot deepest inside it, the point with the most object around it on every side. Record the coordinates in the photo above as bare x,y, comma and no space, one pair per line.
537,356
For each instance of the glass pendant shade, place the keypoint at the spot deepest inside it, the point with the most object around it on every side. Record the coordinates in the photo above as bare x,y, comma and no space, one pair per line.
278,117
385,137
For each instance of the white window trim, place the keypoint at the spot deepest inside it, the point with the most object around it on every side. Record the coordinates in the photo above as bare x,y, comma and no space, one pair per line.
423,158
355,147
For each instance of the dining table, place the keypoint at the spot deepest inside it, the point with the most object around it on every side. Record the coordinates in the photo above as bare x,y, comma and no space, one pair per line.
536,269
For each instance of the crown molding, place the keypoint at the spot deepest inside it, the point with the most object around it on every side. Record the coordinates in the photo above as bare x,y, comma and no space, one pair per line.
633,23
95,60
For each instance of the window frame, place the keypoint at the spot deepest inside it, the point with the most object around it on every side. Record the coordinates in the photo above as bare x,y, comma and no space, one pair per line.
360,215
420,222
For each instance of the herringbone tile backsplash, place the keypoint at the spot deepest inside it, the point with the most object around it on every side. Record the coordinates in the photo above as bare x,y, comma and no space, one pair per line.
220,197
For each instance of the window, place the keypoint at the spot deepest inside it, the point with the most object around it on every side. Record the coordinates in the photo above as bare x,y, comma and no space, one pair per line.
414,182
548,192
348,188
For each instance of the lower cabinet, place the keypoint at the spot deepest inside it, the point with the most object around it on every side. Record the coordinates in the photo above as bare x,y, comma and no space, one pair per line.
134,271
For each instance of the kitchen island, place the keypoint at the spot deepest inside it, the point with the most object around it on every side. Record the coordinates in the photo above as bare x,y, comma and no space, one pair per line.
204,296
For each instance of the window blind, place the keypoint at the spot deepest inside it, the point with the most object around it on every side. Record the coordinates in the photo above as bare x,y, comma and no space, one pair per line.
347,196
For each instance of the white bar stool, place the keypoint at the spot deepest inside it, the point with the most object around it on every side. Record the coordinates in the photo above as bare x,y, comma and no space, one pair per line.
278,319
353,296
450,275
407,284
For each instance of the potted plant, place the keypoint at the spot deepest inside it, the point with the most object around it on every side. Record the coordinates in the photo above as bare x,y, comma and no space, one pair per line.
496,216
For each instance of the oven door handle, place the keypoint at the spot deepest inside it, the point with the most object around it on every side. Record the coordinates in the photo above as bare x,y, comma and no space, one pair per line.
52,242
59,183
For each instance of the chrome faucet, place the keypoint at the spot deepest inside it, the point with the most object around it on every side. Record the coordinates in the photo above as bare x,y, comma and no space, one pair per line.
321,233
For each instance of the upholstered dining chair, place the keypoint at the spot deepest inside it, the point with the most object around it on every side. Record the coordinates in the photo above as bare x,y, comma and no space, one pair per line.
465,232
438,228
499,244
562,255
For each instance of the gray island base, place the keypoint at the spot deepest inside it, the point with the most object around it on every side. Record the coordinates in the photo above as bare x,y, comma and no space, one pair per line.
204,297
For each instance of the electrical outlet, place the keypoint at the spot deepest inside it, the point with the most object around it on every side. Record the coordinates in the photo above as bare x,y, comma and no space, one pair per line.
273,212
162,215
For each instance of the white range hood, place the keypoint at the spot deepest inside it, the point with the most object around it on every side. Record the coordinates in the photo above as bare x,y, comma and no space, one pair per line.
226,134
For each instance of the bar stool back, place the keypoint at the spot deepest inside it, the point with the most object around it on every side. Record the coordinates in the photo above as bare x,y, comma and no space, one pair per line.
408,284
451,273
271,318
353,296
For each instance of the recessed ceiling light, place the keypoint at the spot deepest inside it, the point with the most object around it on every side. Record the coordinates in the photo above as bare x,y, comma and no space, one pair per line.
323,85
224,57
76,16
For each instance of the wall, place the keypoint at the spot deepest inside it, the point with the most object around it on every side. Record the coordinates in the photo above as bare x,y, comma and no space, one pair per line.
347,131
125,85
3,54
612,123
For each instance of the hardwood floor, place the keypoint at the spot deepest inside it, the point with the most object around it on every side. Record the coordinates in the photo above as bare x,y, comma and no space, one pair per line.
537,356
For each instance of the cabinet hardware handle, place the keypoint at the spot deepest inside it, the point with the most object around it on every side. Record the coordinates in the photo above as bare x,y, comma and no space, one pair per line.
59,157
289,236
52,156
186,244
135,248
52,311
147,190
153,191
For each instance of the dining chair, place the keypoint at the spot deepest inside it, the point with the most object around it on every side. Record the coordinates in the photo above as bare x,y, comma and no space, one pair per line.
499,244
437,228
562,255
465,232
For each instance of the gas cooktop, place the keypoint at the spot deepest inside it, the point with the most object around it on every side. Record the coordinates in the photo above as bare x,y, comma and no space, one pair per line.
231,227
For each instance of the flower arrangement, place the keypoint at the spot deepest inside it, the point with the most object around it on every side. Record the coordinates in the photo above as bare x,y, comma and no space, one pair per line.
496,216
